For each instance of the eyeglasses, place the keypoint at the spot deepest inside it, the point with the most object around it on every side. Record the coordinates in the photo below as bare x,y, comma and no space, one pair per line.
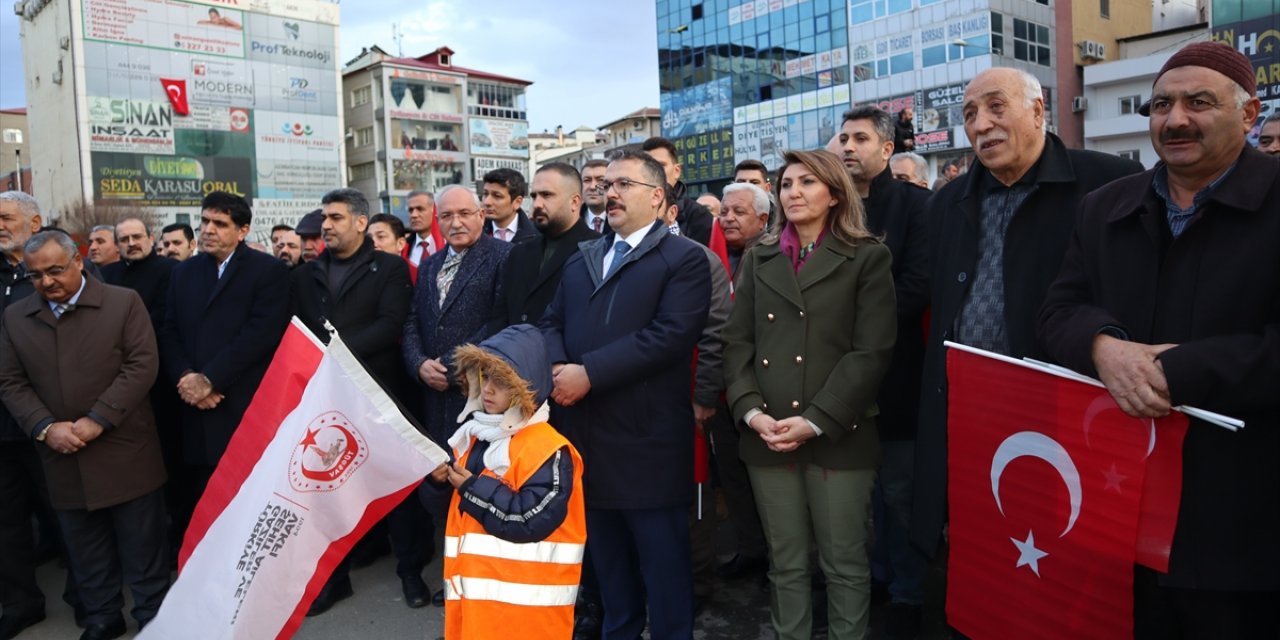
448,217
52,272
622,184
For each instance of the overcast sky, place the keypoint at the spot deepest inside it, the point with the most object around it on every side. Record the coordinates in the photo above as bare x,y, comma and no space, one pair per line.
590,62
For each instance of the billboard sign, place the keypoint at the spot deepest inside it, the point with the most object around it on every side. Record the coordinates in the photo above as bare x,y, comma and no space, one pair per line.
166,24
499,137
698,109
130,126
147,180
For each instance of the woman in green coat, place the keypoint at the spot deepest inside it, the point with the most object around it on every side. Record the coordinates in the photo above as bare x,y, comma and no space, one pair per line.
810,337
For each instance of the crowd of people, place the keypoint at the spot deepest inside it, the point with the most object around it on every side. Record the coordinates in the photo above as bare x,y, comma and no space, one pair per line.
793,322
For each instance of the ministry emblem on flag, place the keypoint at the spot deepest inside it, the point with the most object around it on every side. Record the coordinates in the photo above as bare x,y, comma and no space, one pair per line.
328,454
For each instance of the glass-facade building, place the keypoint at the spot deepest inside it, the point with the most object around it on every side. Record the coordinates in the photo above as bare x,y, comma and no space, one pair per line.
750,80
746,80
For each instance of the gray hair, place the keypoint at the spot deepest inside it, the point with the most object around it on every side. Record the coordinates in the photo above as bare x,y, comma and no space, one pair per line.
880,119
455,187
921,165
110,228
40,239
419,192
1242,96
1032,91
26,204
759,199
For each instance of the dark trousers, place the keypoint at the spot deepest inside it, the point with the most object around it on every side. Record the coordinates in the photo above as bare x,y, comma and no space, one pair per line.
22,495
122,543
736,486
412,535
1165,613
641,556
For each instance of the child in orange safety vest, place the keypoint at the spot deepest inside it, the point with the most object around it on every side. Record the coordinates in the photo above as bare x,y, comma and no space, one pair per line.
517,523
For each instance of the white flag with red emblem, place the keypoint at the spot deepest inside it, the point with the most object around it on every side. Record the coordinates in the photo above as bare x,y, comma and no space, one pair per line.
321,455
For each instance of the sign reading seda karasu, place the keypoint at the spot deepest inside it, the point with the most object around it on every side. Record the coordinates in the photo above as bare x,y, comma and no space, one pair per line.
173,181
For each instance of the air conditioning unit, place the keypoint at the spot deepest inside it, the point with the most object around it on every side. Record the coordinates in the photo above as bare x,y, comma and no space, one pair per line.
1092,50
1079,104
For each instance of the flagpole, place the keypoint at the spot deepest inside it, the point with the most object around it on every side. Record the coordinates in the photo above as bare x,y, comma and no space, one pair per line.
1226,422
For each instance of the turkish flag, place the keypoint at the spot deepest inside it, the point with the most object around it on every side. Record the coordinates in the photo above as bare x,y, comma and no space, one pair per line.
1046,490
177,91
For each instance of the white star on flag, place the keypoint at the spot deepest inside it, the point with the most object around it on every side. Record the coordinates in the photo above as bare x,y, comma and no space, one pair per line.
1028,554
1114,478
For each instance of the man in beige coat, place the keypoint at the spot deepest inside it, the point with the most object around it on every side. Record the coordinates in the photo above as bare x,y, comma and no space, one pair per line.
77,361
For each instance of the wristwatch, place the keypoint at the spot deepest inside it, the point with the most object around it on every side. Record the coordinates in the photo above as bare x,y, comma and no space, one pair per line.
44,433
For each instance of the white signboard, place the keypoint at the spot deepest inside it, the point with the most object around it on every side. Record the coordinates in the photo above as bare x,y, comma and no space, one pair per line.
166,24
130,126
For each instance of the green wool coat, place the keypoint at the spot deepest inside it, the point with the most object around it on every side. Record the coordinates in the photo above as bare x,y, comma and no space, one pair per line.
816,344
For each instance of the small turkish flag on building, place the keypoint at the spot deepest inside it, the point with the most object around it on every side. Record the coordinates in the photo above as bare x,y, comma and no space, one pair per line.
1047,488
177,90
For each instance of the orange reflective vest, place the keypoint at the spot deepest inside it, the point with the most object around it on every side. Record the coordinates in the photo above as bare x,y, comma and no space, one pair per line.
499,589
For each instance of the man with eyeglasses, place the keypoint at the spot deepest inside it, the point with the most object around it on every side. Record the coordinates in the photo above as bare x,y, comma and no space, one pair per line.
620,335
457,295
22,488
84,401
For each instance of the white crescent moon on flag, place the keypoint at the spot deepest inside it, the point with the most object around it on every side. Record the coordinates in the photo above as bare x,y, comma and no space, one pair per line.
1104,403
175,91
1038,445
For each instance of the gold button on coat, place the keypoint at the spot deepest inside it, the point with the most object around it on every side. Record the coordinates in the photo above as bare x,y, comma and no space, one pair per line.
770,317
765,362
795,404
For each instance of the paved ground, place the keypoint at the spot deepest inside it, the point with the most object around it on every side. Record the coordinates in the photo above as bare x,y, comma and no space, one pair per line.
738,610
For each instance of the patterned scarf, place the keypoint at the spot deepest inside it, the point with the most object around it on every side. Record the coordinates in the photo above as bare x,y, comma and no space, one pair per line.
444,279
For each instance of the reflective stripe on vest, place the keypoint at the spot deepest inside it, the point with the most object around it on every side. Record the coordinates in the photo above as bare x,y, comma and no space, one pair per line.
483,544
531,595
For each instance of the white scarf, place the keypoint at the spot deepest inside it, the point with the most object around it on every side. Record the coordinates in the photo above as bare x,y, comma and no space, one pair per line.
495,429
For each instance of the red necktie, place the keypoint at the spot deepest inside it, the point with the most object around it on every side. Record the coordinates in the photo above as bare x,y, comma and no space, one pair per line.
597,224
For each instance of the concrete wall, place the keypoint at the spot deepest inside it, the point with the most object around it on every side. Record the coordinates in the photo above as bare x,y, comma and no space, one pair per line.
53,63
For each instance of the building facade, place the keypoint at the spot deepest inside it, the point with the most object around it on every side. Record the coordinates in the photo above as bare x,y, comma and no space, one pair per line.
1253,27
424,123
154,103
1114,90
15,144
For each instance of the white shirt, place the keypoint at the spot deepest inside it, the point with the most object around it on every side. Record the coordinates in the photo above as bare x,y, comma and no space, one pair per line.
53,306
633,240
222,266
417,252
602,217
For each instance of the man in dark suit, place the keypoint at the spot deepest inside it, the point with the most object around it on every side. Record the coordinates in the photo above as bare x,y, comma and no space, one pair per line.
458,296
504,190
534,268
364,294
593,198
997,237
22,490
620,335
77,361
228,307
141,268
895,211
693,218
1169,296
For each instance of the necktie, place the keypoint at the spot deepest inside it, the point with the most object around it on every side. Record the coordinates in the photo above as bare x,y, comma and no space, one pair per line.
597,224
503,234
444,280
620,249
60,309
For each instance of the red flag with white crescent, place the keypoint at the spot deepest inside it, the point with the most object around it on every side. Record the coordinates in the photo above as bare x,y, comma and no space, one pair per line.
321,454
1047,481
177,92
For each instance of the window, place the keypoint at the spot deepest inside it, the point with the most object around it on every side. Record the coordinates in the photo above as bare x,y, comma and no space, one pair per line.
364,137
697,12
1129,105
1131,154
1104,8
868,10
997,33
366,171
1031,42
361,96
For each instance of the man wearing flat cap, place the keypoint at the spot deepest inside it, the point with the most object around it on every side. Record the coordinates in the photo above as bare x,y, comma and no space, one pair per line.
309,231
1170,294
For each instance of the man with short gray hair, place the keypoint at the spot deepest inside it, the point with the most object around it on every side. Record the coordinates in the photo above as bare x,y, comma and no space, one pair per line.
1006,224
22,486
80,392
103,249
910,167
